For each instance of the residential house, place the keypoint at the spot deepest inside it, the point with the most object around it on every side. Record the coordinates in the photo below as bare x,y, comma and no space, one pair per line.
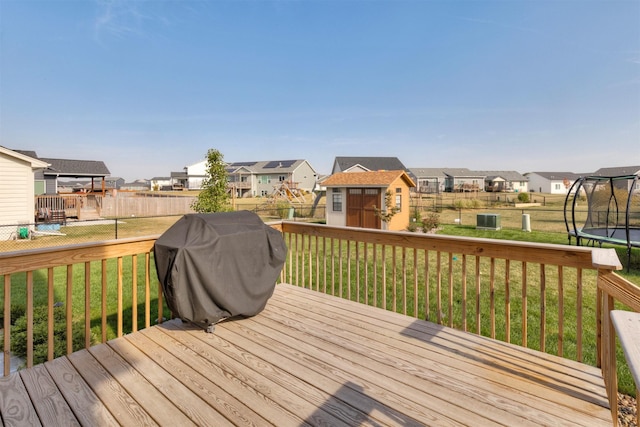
463,180
355,199
429,180
194,175
551,182
263,178
258,178
180,180
505,181
621,171
17,190
161,183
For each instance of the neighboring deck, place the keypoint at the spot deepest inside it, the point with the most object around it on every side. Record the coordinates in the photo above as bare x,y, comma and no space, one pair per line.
308,358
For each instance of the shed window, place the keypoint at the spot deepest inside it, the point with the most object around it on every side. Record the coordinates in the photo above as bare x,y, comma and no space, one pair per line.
337,200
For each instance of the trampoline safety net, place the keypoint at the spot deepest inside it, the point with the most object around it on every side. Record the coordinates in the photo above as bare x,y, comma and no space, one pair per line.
220,265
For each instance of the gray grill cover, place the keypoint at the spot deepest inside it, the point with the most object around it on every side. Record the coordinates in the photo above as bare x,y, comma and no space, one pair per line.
220,265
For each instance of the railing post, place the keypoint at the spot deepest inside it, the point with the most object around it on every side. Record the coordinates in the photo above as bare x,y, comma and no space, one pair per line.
609,358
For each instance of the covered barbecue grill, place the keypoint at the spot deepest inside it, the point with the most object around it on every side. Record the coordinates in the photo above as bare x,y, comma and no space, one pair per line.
219,265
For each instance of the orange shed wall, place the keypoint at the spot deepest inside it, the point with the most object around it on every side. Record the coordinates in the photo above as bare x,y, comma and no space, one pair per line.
400,221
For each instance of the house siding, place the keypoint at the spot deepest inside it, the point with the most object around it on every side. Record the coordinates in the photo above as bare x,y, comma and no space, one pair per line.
400,220
264,182
16,194
337,218
543,184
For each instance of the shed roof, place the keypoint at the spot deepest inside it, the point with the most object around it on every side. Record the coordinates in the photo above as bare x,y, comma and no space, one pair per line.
367,179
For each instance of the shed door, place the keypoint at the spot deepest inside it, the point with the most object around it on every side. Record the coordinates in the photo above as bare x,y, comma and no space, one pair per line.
360,207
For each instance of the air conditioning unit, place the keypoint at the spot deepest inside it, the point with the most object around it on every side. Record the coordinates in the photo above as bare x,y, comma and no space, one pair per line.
488,222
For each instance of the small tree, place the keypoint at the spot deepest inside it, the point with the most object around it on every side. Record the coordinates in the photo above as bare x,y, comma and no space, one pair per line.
213,197
390,210
431,222
523,197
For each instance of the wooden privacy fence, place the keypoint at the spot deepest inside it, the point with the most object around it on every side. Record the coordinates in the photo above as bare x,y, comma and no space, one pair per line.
130,205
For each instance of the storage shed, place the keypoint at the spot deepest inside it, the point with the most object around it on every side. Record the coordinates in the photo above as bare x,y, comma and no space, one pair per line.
353,198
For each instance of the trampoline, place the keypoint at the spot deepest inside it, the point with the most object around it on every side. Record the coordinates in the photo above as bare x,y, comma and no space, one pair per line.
612,214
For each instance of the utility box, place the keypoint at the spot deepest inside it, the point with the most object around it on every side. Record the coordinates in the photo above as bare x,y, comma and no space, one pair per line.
488,222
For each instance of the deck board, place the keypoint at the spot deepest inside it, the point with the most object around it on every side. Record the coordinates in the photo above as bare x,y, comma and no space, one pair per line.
461,357
307,359
50,405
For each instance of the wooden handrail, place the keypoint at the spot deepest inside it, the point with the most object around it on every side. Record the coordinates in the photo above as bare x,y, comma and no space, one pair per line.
613,289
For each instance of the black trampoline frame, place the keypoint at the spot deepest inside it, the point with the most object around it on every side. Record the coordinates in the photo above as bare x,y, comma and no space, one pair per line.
621,232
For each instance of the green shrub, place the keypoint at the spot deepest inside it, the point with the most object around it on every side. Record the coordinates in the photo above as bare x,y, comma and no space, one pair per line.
431,222
283,209
523,197
476,203
40,334
17,311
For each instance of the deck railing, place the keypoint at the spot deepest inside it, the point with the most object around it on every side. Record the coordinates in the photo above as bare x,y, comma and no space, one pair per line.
501,289
614,289
83,280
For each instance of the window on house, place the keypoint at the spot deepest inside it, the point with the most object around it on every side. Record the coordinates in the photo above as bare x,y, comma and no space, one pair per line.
399,202
337,200
282,178
557,186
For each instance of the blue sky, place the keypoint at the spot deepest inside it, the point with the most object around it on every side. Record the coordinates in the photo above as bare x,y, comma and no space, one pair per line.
149,86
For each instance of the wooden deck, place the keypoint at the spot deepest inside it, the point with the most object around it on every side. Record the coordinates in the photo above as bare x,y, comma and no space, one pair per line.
307,359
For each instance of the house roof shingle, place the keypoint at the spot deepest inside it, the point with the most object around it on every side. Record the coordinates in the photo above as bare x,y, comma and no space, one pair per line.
618,171
371,163
76,168
557,176
265,166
